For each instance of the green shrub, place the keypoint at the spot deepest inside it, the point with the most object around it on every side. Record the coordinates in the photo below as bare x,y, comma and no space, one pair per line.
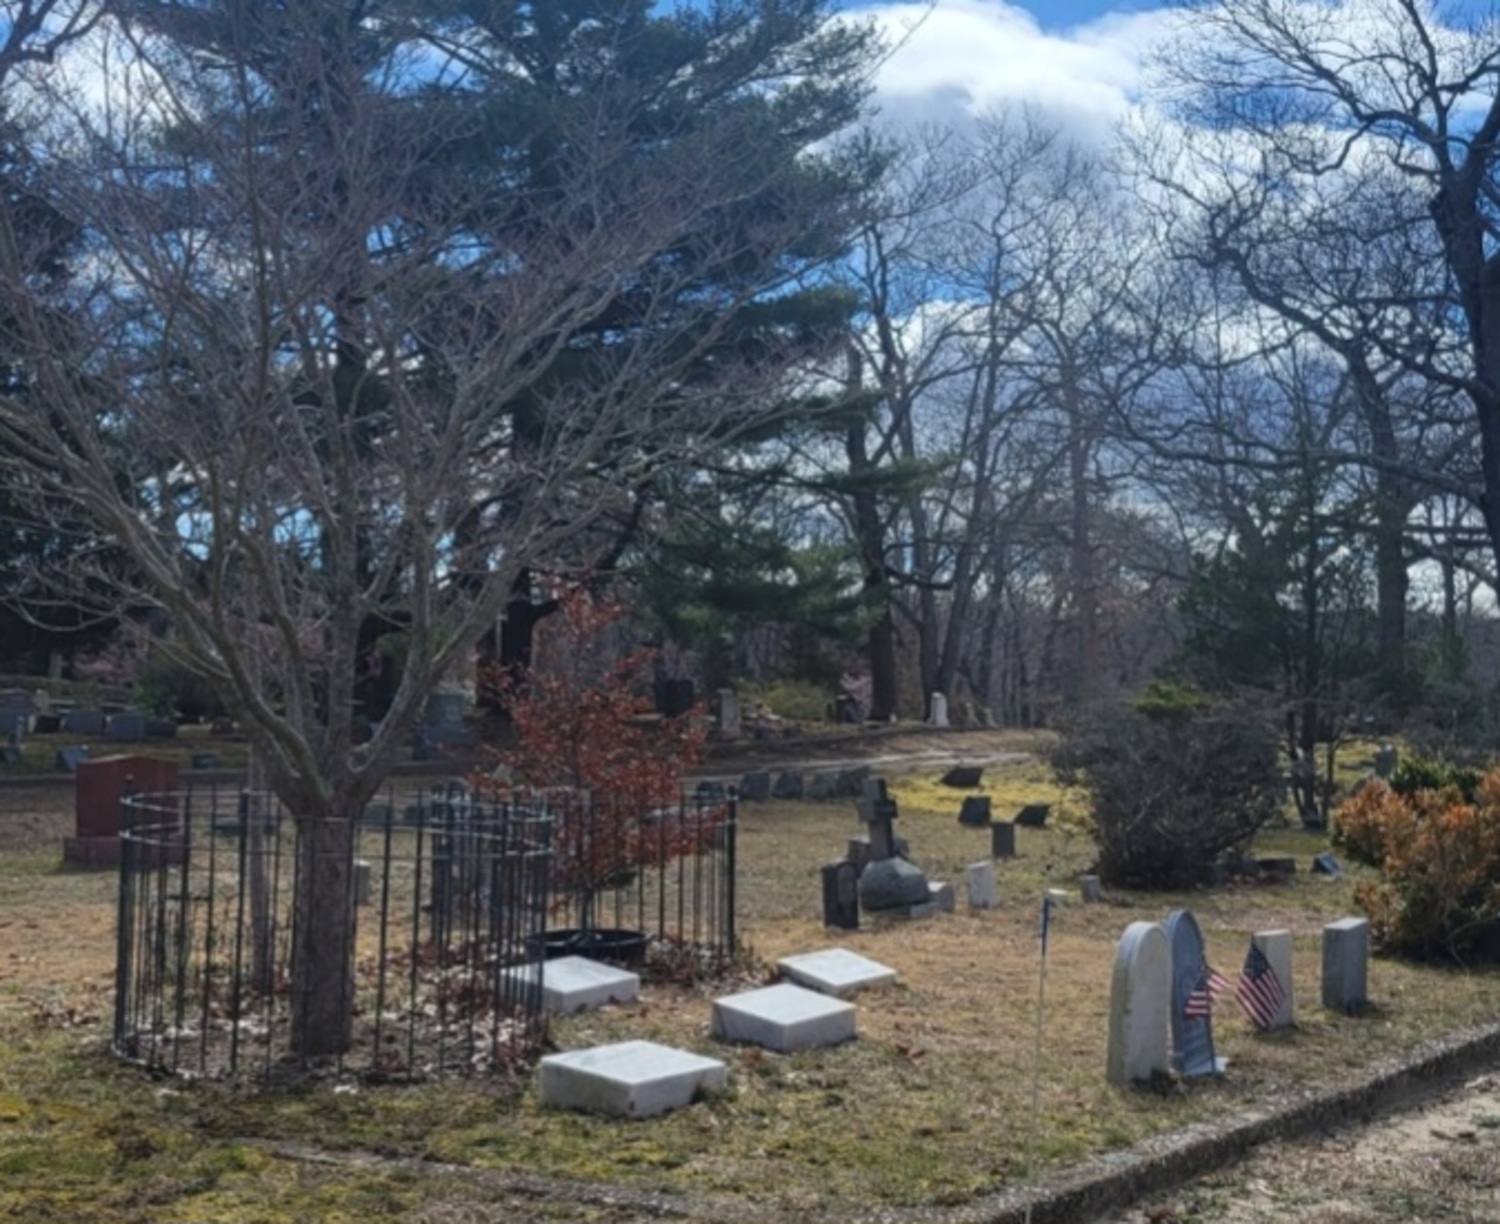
1176,785
794,700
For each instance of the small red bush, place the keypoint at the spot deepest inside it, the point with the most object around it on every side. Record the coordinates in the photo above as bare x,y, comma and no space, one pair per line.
586,739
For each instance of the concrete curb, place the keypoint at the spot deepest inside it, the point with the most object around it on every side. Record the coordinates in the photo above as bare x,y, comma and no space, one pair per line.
1119,1179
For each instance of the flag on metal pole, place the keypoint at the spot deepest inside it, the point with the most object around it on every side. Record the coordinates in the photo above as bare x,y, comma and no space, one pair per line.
1036,1049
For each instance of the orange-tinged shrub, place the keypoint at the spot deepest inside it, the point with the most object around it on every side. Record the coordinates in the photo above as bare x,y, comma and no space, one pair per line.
587,740
1438,896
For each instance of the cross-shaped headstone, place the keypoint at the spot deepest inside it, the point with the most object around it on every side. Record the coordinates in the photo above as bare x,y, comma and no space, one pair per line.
878,811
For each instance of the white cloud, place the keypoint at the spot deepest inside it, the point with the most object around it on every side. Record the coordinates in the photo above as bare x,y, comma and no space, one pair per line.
964,57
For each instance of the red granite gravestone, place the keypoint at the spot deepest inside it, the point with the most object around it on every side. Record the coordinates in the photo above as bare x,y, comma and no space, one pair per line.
98,788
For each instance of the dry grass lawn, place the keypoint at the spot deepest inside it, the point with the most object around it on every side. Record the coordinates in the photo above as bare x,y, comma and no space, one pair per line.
930,1106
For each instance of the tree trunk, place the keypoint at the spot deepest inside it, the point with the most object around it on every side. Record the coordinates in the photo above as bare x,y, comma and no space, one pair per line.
323,938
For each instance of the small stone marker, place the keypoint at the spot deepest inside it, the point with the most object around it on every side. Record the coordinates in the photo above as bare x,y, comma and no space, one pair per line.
783,1018
204,760
942,896
1033,815
1139,996
841,895
1090,889
983,892
938,706
1385,760
361,882
963,777
1002,840
823,786
755,787
83,722
835,971
788,785
630,1079
1276,947
975,812
1346,959
1326,864
126,727
1192,1025
726,712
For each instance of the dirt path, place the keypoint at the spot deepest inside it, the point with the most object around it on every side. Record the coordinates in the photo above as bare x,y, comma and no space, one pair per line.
1437,1162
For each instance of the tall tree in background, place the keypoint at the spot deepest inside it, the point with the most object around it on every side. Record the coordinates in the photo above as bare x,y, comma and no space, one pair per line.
363,373
1312,91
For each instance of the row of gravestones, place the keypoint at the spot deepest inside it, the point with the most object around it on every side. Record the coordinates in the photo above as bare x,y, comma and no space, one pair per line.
1162,985
760,785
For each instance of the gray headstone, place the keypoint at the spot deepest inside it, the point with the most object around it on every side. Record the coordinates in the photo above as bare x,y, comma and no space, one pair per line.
1385,760
938,706
975,812
203,760
69,759
1140,993
788,785
1346,959
128,726
892,883
755,787
1192,1036
963,777
841,895
1033,815
983,892
83,722
726,712
1326,864
1002,840
1090,889
161,728
823,786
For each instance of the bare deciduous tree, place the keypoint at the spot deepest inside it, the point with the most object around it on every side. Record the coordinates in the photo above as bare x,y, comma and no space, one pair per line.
373,313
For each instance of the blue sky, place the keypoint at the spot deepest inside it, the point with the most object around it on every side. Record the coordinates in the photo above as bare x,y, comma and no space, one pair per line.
1065,14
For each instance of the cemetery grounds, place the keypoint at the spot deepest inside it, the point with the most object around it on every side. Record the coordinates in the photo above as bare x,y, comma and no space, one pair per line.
924,1115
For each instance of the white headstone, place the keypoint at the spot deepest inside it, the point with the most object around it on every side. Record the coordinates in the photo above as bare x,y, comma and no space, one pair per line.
1276,947
1090,888
1140,995
939,709
1346,959
983,892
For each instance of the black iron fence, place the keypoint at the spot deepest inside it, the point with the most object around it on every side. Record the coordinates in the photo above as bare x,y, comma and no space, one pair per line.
454,899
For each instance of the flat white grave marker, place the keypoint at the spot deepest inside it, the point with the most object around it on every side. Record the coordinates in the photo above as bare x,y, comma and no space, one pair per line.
835,971
575,983
630,1079
783,1018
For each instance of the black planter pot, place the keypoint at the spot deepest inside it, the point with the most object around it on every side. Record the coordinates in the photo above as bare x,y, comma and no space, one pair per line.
610,944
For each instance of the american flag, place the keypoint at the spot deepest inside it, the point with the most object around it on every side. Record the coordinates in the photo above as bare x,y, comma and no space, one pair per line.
1200,1001
1260,992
